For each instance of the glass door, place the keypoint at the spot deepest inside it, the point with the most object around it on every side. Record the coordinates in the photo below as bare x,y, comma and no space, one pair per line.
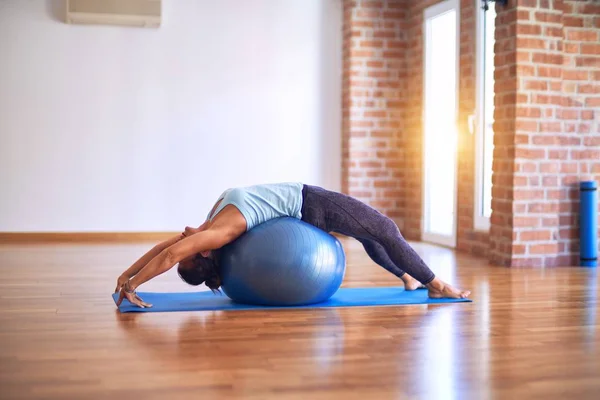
441,30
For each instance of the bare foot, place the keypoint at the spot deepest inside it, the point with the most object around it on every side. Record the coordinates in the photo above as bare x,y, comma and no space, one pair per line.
411,283
444,291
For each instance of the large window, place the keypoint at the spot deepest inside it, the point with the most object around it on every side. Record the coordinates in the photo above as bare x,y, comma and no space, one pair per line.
484,115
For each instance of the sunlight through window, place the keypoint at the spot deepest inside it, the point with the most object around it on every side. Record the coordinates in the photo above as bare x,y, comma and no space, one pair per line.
440,150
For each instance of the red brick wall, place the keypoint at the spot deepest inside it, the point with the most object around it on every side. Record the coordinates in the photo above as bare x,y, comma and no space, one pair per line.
501,229
373,100
579,117
538,190
548,86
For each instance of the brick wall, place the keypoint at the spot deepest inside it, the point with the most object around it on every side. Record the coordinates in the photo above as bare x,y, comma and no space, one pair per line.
547,131
501,229
579,117
539,159
373,101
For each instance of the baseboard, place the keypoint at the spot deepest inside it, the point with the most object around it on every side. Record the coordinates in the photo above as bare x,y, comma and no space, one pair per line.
89,237
83,237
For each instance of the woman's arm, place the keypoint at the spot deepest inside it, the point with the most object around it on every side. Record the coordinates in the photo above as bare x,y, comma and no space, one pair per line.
227,226
146,258
210,239
153,252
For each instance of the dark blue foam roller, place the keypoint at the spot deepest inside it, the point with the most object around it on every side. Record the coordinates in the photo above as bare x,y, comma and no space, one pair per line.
588,224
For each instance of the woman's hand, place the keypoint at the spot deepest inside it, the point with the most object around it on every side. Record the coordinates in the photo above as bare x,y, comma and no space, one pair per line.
131,295
121,281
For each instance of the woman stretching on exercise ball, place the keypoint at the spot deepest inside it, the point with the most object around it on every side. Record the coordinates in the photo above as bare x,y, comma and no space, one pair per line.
238,210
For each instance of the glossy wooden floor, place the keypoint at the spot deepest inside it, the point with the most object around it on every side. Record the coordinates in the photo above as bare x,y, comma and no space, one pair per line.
530,333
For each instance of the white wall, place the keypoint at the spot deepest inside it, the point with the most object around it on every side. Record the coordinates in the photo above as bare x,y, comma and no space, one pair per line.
129,129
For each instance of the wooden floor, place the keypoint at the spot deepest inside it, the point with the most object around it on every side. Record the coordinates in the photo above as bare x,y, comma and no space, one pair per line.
530,333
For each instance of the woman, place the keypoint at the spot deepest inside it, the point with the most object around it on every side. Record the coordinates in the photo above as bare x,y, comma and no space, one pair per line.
240,209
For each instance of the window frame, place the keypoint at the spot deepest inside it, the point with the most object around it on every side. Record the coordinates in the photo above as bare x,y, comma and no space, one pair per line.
476,122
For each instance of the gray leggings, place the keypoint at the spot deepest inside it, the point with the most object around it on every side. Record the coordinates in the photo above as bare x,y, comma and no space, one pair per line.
379,235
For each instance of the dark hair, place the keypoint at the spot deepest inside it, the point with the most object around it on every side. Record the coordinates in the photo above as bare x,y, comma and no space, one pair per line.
205,270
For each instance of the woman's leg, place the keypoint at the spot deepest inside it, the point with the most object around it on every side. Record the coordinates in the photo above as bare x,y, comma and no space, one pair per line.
337,212
377,253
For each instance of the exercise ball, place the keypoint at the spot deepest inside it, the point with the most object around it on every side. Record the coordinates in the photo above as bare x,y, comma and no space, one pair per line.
282,262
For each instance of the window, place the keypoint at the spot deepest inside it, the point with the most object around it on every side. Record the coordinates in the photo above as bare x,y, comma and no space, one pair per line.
484,115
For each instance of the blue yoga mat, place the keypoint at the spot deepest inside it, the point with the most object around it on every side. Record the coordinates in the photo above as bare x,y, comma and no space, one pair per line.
344,297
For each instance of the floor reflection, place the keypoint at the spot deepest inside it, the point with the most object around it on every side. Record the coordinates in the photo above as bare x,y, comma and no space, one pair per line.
454,352
239,340
591,309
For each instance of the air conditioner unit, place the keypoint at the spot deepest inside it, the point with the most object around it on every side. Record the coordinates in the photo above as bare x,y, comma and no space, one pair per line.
140,13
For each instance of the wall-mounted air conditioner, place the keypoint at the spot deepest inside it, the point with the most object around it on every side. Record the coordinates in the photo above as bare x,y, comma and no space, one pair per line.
141,13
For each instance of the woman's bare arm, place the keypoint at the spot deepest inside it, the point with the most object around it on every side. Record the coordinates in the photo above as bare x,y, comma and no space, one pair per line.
226,227
156,250
146,258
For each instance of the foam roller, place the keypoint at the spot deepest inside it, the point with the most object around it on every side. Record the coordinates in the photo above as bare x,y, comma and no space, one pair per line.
588,224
